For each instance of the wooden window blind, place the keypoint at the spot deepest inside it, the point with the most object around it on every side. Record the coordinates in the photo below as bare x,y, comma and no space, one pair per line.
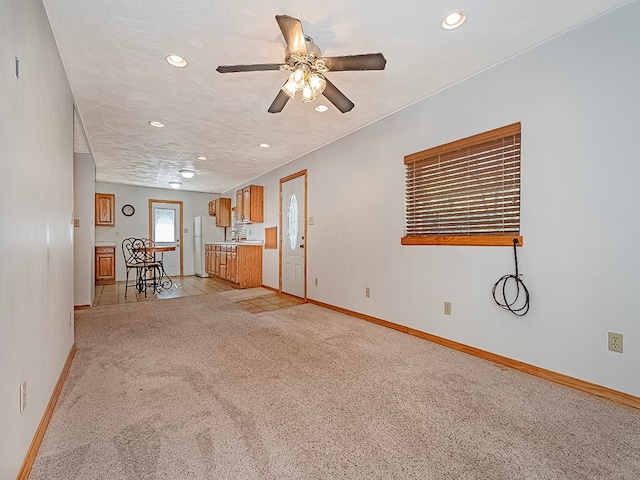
465,192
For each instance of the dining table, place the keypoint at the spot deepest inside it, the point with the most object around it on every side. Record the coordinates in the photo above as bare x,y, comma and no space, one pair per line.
163,281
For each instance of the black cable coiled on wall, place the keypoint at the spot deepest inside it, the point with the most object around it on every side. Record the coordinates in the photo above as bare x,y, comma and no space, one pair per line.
519,287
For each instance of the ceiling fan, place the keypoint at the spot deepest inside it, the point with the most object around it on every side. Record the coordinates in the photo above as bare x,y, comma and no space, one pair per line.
304,60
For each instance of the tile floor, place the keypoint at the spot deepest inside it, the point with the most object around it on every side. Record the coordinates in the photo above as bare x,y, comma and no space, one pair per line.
182,287
188,286
267,303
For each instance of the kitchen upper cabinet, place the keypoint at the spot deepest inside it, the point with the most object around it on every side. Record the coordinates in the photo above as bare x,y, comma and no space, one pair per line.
239,205
221,209
223,212
105,210
105,265
250,208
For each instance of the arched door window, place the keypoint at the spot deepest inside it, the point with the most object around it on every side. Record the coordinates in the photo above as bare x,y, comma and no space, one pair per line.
164,225
292,221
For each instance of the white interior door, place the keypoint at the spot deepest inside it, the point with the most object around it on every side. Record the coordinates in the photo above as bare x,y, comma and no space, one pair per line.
294,216
165,232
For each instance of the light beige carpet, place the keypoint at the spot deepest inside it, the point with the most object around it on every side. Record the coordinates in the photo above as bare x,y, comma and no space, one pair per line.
196,388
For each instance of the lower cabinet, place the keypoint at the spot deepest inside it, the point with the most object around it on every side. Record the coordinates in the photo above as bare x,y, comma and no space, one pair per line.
105,265
237,263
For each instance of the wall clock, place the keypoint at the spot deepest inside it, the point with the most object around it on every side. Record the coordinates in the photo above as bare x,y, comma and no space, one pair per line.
128,210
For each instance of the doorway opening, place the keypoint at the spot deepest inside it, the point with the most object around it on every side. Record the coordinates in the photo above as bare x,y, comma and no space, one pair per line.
165,229
293,238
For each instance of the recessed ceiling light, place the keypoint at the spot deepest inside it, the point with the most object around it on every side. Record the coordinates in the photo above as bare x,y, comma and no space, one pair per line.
176,60
156,123
264,145
175,184
453,20
321,108
202,157
187,173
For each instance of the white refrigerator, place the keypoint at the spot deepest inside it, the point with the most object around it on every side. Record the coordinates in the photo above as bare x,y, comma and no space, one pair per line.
204,231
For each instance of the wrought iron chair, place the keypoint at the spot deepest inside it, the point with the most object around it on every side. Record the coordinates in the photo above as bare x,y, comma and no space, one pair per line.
164,281
136,257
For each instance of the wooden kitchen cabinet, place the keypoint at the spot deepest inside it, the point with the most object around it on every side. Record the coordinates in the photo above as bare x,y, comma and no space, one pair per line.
251,208
105,209
209,258
223,212
237,263
105,265
232,266
249,266
221,209
239,205
216,261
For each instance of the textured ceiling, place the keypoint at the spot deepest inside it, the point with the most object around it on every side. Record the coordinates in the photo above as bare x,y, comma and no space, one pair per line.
113,52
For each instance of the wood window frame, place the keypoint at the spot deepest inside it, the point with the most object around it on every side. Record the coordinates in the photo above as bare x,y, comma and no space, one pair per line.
470,239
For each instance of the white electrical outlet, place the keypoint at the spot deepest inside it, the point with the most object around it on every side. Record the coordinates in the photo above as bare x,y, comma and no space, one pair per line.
367,292
23,395
615,342
312,220
447,308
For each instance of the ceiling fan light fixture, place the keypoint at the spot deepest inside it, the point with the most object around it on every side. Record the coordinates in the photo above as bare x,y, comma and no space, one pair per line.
175,185
317,82
308,94
187,173
453,20
304,79
176,60
290,88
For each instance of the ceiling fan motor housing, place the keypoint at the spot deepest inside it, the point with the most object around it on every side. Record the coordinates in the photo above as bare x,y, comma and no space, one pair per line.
313,51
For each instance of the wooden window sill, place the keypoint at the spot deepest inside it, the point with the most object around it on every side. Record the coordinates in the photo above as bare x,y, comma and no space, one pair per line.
470,240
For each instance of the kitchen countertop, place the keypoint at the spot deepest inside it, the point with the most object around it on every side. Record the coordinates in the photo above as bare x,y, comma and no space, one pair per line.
105,244
241,242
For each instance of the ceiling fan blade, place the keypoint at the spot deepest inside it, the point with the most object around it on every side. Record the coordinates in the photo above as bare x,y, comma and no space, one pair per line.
279,102
248,68
368,61
338,98
292,33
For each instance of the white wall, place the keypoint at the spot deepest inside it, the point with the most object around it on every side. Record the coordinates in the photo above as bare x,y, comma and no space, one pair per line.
84,177
577,98
36,278
138,224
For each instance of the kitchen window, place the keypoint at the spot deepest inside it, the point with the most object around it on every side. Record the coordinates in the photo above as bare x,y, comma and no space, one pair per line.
465,192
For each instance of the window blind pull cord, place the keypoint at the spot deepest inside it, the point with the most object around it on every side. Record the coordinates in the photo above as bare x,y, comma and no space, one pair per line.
520,288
